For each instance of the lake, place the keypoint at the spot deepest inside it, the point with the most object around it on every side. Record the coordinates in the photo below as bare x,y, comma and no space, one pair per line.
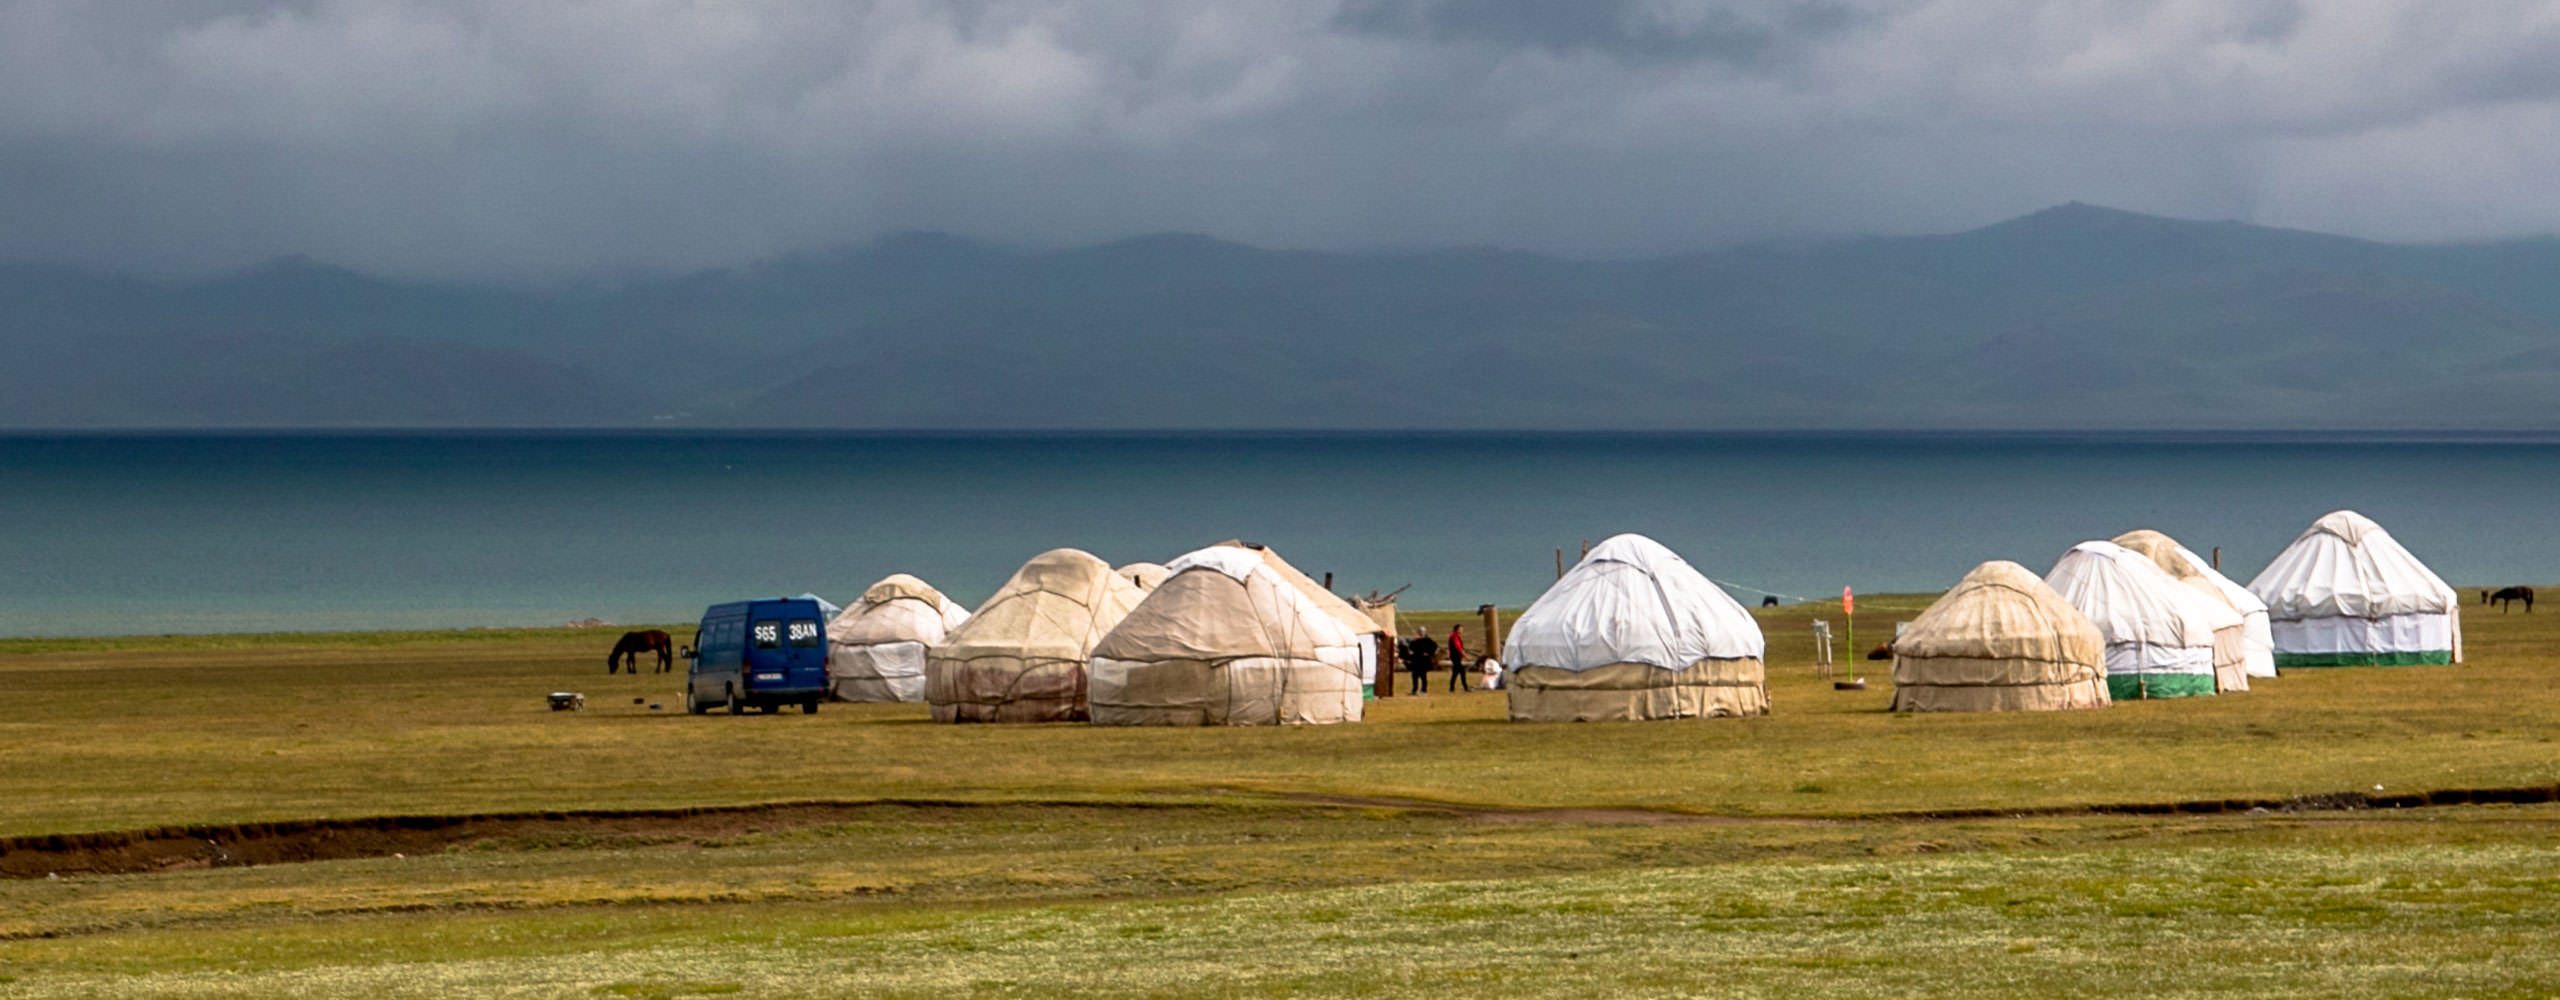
106,534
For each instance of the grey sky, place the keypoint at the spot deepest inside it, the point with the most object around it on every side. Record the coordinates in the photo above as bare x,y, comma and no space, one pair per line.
505,138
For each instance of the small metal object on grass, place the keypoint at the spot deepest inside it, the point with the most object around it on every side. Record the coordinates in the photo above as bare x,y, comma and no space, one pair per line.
567,701
1852,684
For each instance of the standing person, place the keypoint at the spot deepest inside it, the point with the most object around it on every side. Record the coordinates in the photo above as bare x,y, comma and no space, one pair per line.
1458,659
1425,652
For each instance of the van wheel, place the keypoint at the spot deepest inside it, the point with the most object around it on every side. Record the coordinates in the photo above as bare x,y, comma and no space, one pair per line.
693,704
809,707
736,707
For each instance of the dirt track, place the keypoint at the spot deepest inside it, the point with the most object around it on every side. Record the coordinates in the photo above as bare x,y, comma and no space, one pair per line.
170,848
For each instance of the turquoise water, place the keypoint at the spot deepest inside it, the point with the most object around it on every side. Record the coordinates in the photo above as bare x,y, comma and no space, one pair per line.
103,535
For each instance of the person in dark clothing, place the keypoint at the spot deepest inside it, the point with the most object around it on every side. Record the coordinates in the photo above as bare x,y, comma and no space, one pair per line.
1424,653
1458,659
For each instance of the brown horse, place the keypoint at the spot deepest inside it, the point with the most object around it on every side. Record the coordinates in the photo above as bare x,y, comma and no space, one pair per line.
627,650
2509,595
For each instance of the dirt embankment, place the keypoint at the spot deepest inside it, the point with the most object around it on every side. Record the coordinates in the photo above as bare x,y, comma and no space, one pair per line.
211,846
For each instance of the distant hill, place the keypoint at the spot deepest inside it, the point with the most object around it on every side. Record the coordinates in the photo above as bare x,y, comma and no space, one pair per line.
2073,317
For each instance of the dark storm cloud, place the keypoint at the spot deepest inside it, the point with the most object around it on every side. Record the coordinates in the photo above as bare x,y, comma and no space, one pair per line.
1624,29
490,137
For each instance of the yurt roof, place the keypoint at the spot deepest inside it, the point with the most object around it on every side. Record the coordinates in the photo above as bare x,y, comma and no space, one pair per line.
876,617
2345,565
1219,603
1341,610
899,586
1146,575
2003,611
2180,562
2131,599
1057,605
1631,601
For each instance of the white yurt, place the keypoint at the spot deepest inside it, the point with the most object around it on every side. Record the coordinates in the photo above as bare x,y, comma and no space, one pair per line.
1357,620
1999,641
2161,634
1633,632
2258,645
877,646
2346,594
1021,656
1227,640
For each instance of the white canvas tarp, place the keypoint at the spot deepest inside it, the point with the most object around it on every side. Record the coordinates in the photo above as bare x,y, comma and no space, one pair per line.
2160,633
1227,640
2346,593
879,644
1634,632
2258,655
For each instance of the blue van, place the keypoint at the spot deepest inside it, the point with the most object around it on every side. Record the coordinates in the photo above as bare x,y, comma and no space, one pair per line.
764,654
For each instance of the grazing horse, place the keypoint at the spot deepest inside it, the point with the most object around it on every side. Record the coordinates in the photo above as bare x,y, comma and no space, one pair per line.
2509,595
627,650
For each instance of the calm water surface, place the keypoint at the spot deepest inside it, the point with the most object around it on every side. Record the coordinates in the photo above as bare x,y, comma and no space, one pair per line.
103,535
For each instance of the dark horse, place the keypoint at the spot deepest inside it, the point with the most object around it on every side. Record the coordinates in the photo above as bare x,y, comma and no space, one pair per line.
627,651
2507,596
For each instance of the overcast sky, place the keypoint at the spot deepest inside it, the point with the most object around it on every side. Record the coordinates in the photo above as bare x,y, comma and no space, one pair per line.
546,138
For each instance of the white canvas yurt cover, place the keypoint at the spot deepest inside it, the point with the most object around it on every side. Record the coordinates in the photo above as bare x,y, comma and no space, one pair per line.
2160,633
1331,604
1227,639
1021,656
1999,641
2346,594
2257,643
879,643
1633,632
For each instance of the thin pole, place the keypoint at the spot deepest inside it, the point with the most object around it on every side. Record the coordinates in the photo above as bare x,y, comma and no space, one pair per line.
1559,562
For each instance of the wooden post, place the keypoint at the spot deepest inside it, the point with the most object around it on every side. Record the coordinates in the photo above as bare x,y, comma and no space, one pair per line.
1492,630
1387,666
2217,558
1328,581
1559,562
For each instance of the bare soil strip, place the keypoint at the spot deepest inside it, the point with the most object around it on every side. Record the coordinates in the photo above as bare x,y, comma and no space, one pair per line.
211,846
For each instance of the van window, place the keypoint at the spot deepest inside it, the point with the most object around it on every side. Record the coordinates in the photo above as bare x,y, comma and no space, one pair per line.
768,635
804,633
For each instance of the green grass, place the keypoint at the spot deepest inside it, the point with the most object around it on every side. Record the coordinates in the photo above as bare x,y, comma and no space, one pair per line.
1243,862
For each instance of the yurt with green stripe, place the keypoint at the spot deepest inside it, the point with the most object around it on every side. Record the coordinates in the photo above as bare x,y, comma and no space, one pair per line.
2346,594
2159,633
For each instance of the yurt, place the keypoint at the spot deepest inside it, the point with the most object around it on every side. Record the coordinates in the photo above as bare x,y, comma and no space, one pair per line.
2346,594
2000,641
1632,632
2258,647
1145,575
1227,640
1353,618
877,646
1021,656
2161,634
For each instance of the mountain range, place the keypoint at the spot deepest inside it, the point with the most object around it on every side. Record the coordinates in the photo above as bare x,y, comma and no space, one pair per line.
2072,317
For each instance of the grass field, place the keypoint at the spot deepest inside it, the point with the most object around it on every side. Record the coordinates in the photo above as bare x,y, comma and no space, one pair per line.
1433,849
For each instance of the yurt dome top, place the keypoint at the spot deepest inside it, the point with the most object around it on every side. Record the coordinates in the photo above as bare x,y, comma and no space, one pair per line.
2003,611
1631,600
1056,606
2131,599
2346,566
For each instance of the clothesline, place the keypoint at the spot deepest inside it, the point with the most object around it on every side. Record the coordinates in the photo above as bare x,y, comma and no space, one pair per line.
1729,585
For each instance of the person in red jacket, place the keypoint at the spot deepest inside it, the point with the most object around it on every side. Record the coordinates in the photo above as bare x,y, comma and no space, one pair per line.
1458,659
